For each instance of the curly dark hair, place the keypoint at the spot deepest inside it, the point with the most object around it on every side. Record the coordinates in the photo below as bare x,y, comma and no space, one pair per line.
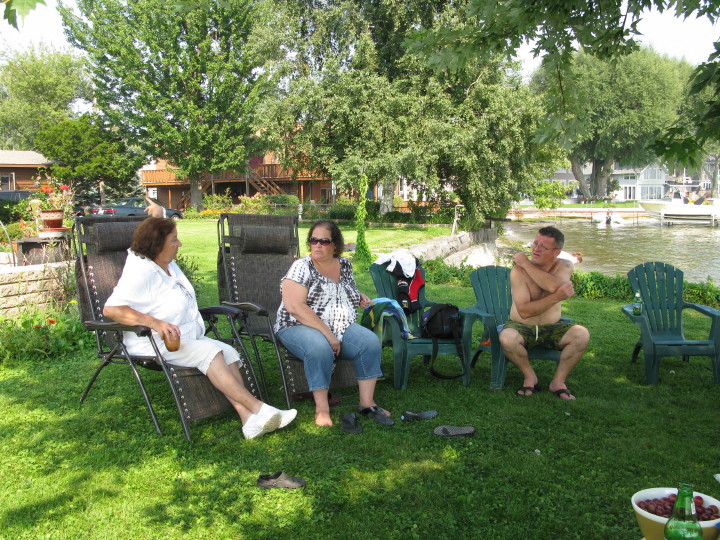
555,234
335,235
150,236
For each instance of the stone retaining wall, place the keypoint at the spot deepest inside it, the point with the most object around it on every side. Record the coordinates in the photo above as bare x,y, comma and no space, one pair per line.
476,248
35,286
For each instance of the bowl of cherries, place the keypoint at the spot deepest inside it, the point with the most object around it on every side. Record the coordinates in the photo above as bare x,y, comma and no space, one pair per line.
654,506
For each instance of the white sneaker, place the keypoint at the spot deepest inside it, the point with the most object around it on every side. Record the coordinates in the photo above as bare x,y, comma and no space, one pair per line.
287,416
265,421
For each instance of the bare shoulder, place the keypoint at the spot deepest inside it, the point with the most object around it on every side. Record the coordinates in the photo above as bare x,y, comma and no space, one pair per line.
562,265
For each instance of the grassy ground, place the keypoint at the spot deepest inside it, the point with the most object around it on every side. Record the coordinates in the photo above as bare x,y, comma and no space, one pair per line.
538,467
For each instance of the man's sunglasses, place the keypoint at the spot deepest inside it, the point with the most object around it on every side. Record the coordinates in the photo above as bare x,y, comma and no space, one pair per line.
321,241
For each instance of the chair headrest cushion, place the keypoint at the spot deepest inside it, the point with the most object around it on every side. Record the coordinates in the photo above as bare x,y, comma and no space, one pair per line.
116,236
264,239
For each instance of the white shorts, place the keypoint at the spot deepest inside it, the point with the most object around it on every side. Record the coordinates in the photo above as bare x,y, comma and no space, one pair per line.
198,353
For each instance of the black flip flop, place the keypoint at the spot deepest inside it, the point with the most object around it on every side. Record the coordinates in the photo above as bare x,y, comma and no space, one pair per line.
377,414
454,431
418,415
349,424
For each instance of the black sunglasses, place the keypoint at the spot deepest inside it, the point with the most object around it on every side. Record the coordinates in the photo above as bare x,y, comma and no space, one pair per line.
321,241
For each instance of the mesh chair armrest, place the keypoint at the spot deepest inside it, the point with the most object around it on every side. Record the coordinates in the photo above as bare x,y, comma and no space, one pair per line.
112,326
210,311
248,306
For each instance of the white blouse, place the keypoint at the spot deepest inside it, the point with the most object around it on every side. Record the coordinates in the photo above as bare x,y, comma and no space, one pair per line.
145,287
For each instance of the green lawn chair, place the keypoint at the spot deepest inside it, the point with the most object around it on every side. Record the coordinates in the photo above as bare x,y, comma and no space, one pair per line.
493,302
661,326
405,349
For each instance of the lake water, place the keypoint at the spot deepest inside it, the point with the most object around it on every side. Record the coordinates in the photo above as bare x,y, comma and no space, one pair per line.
615,249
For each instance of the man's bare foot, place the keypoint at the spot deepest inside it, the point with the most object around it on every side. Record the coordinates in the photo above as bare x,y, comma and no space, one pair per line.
322,418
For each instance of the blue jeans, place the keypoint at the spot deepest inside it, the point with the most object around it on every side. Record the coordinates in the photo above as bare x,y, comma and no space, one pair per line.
359,344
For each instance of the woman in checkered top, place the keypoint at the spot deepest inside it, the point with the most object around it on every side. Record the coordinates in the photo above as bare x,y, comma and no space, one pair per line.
316,322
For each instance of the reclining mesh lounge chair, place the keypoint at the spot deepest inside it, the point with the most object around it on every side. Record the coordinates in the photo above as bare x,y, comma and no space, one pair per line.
661,322
255,252
101,245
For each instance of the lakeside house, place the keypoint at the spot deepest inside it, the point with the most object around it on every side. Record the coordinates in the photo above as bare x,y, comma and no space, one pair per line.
649,182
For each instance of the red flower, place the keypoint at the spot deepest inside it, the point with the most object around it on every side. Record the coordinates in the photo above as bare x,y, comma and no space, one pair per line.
46,189
36,326
51,321
64,187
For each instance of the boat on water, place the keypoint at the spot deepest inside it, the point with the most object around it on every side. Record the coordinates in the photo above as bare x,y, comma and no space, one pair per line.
677,210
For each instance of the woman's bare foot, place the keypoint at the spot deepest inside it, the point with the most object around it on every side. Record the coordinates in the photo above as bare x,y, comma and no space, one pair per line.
322,418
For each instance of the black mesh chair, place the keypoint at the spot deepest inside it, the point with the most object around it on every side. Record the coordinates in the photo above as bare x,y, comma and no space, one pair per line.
255,252
100,246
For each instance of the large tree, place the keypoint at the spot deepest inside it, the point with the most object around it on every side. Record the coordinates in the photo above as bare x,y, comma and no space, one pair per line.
86,155
625,104
38,87
558,28
355,106
180,85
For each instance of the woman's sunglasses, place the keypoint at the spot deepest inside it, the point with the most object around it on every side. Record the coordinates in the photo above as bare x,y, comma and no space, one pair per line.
321,241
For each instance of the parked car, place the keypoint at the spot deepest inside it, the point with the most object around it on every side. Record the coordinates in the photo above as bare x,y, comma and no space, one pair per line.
131,206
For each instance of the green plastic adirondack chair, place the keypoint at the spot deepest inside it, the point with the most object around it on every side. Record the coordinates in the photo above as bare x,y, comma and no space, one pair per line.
661,325
405,349
493,302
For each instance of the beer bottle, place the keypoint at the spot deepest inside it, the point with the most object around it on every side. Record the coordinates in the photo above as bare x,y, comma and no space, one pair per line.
683,523
637,306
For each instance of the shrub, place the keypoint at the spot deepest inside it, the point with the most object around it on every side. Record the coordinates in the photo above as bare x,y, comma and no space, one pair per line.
9,211
373,210
219,203
397,217
15,231
42,334
256,204
283,198
438,272
341,212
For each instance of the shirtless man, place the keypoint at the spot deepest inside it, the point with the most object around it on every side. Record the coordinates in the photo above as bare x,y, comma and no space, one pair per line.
539,285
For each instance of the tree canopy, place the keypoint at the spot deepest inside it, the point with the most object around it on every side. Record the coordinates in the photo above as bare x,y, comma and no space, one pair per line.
87,154
625,104
353,106
38,87
180,85
557,28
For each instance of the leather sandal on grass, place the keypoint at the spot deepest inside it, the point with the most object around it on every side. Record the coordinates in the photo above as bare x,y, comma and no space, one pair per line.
350,424
454,431
377,414
279,480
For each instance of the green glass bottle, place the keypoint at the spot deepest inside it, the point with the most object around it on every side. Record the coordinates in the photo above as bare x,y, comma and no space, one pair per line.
683,523
637,306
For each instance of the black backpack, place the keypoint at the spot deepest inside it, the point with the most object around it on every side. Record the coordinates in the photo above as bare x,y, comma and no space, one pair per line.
443,321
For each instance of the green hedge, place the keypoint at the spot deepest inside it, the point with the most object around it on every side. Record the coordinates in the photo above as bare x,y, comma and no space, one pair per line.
592,285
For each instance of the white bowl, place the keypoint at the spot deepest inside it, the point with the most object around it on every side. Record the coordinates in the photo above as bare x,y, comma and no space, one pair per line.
652,526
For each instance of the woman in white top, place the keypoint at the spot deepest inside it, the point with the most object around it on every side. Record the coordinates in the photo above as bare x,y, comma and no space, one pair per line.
316,322
154,292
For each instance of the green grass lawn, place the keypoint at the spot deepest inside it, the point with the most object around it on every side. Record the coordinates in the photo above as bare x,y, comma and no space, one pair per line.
537,468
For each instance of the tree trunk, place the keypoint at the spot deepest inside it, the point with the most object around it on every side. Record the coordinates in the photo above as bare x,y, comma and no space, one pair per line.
196,193
600,174
714,185
386,199
577,170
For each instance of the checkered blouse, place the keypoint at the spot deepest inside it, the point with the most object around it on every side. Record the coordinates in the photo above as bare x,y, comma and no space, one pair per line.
335,303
